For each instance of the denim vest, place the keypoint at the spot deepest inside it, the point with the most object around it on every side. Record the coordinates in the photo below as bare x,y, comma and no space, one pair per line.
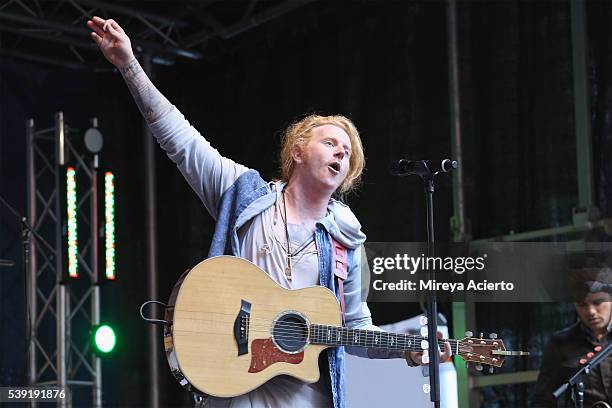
245,199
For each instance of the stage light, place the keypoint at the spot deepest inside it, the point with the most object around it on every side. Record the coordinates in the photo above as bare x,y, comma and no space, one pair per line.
103,339
71,200
109,225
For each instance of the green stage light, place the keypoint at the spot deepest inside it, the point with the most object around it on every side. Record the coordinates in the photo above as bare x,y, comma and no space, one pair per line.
104,339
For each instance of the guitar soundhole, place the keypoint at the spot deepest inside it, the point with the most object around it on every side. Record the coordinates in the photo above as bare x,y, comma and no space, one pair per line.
290,332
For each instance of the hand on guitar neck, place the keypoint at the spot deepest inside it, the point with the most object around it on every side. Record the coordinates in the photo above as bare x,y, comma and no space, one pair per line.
418,358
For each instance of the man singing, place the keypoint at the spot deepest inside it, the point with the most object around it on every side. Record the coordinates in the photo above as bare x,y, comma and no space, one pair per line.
288,228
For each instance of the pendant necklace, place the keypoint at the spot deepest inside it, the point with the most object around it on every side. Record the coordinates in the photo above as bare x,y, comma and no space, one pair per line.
289,268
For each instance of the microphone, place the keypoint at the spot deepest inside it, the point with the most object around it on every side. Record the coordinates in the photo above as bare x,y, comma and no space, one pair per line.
405,167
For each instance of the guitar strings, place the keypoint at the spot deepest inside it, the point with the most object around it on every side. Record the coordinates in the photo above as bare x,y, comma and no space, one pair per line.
378,337
369,342
298,328
295,331
411,344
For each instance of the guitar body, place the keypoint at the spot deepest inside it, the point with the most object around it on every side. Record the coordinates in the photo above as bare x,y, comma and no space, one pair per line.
220,318
229,328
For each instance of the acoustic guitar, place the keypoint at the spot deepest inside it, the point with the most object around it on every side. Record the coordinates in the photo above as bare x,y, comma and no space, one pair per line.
230,328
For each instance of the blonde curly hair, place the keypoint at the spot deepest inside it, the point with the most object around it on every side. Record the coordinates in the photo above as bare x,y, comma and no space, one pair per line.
298,134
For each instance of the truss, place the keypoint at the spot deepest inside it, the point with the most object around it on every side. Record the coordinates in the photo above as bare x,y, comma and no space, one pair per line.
54,32
61,311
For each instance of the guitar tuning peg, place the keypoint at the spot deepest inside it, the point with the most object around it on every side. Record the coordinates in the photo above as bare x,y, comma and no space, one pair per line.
491,370
423,320
478,367
481,335
493,335
468,334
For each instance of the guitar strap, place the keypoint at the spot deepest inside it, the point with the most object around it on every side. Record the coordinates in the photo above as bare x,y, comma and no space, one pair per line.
340,266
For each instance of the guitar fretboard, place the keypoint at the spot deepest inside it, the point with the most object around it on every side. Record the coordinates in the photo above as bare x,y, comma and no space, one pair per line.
344,336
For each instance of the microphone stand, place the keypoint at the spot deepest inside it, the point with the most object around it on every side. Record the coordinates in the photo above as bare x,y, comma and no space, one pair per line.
26,232
432,305
427,172
575,382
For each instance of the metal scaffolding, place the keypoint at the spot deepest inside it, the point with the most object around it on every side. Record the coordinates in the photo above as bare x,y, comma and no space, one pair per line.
54,33
586,216
61,310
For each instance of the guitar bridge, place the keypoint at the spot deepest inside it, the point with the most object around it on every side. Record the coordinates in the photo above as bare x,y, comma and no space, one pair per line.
241,327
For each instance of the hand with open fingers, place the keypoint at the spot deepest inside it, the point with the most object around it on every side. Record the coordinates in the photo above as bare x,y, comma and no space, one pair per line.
112,41
414,358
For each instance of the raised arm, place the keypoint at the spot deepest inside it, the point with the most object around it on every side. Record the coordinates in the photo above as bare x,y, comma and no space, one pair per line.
117,49
208,173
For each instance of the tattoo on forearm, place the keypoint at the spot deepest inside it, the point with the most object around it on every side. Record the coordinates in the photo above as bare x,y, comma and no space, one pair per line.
152,104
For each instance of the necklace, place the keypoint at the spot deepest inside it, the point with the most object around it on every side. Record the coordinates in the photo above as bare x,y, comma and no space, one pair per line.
290,255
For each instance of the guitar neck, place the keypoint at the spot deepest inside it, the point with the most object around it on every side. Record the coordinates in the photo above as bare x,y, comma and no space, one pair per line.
344,336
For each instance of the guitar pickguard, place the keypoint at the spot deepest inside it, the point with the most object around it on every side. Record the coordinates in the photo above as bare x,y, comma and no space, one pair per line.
264,353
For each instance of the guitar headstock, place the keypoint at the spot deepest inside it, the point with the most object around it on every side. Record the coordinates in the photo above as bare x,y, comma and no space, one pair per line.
491,352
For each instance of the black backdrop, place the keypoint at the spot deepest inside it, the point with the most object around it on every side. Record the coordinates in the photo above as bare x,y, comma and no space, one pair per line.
385,66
